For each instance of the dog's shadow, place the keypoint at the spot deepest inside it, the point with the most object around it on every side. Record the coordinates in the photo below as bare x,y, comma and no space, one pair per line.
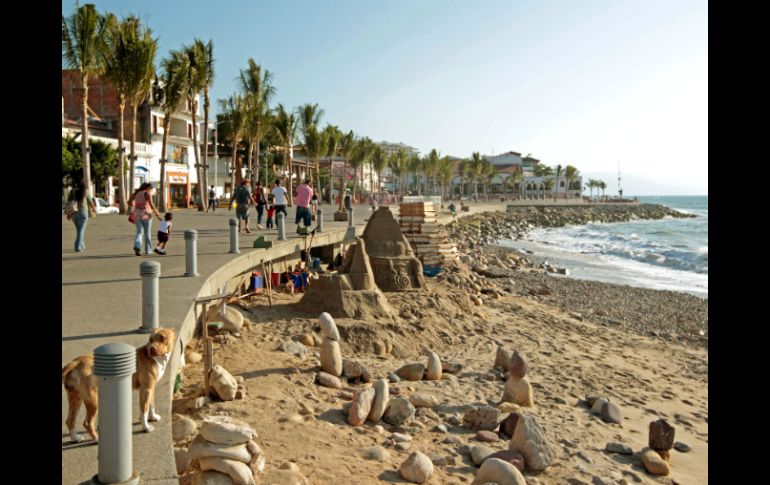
88,441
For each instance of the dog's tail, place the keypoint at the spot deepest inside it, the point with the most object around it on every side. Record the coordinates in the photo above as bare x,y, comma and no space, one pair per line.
65,371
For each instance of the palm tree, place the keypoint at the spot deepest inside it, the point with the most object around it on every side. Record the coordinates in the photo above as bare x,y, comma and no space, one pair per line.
257,86
347,145
464,167
602,185
309,116
559,170
197,78
140,81
431,168
332,135
397,164
488,172
233,111
315,148
415,164
170,90
84,48
513,180
117,70
476,170
570,174
444,172
547,186
379,161
285,126
543,170
207,75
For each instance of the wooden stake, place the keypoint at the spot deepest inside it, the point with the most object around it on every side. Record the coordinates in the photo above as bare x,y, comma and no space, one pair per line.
208,363
267,284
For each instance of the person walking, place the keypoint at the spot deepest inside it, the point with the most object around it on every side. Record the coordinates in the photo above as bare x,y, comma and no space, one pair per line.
164,232
260,198
142,213
303,194
212,199
242,196
279,198
83,205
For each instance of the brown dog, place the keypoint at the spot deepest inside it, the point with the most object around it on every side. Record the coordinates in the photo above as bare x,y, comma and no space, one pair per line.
80,382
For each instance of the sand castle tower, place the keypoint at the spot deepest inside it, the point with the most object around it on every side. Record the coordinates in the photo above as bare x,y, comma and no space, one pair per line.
392,260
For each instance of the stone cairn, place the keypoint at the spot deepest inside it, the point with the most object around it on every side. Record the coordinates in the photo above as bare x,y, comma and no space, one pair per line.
224,452
419,371
518,389
331,357
224,385
661,439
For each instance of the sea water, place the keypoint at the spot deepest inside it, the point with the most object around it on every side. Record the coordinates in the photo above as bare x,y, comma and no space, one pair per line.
667,253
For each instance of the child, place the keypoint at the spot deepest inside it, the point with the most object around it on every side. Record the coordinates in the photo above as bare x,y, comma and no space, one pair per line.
270,214
164,231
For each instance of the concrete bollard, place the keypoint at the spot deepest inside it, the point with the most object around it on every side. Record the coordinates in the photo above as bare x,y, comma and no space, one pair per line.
150,272
281,226
319,215
114,364
234,236
350,217
191,252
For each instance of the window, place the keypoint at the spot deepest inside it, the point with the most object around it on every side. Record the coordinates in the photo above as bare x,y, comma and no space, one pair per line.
177,153
154,124
189,130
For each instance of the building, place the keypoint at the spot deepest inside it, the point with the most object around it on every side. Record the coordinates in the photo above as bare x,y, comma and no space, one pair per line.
387,183
103,124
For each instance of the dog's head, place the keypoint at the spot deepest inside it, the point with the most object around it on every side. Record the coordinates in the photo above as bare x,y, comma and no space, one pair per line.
161,342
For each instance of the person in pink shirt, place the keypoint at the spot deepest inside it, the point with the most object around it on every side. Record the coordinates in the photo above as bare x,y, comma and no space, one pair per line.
304,194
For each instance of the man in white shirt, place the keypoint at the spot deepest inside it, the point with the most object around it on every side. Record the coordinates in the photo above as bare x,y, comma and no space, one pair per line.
279,199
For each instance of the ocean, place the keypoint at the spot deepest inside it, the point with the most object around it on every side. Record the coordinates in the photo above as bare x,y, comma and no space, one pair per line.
670,254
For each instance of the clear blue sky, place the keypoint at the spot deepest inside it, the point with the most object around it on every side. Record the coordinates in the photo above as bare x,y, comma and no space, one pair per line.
589,82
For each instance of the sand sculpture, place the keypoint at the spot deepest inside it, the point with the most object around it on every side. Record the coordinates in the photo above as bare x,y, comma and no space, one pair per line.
392,260
380,260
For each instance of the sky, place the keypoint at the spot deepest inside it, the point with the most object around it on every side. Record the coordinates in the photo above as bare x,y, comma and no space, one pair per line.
598,84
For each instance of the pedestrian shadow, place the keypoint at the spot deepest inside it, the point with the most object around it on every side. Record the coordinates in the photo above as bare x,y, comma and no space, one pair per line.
73,256
266,372
100,335
391,476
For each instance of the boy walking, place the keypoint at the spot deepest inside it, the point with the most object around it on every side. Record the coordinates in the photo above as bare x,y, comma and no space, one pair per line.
164,231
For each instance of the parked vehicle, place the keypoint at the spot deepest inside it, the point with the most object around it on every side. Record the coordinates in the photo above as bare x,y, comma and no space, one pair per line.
102,207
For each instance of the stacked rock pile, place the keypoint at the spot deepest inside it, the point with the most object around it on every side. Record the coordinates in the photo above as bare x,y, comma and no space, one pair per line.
223,453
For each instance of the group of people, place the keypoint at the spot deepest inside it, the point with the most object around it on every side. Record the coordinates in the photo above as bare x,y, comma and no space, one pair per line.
306,201
141,210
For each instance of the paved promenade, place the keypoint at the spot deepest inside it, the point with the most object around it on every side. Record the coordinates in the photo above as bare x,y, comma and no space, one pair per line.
101,303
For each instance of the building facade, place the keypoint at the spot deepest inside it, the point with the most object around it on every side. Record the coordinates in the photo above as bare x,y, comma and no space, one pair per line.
103,124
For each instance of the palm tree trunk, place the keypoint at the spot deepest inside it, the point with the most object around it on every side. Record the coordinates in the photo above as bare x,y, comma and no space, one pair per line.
257,158
163,154
196,152
235,176
132,156
289,185
84,145
249,162
342,181
206,108
318,177
121,158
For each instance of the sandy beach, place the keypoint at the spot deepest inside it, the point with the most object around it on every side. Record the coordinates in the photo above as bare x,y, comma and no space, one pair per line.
644,350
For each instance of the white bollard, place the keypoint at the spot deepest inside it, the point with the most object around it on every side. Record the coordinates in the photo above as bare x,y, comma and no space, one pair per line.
319,220
191,252
150,272
234,236
281,226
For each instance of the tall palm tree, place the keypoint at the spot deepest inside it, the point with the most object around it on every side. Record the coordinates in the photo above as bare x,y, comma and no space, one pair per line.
488,172
602,185
170,91
197,77
570,174
257,86
232,109
394,164
332,135
558,172
315,148
476,169
140,81
415,166
444,172
207,75
309,116
464,168
379,162
285,126
347,146
117,70
513,180
84,48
